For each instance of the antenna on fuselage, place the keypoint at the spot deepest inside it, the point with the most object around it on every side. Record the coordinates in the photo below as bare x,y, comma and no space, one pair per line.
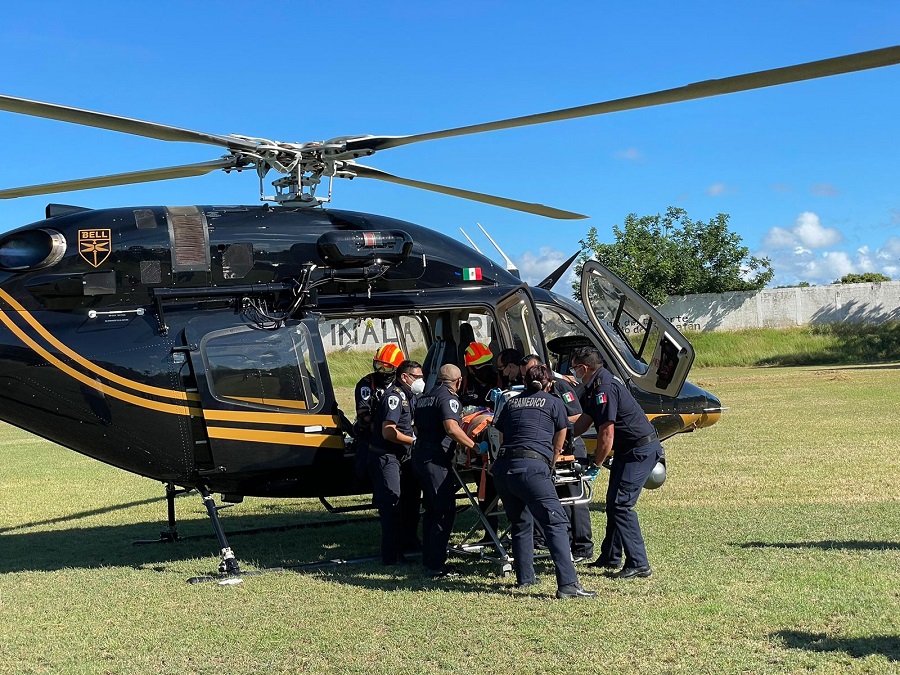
470,240
510,266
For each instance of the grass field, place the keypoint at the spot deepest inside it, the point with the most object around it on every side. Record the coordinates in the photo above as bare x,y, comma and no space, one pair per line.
775,544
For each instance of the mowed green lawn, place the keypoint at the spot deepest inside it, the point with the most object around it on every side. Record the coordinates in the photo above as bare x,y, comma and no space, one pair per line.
775,545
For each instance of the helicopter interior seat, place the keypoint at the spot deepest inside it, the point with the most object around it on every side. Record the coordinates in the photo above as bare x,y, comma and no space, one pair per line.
466,337
442,351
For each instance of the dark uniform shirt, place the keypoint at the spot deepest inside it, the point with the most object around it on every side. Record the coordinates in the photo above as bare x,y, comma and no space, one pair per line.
529,421
369,390
476,393
395,406
564,390
606,399
432,409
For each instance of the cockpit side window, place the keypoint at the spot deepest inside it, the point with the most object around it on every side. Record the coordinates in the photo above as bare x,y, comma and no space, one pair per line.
263,368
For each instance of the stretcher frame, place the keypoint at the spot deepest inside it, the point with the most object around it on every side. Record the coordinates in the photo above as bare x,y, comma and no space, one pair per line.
467,470
499,551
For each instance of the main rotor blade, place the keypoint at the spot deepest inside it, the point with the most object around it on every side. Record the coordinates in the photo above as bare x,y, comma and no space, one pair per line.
527,207
765,78
147,176
124,125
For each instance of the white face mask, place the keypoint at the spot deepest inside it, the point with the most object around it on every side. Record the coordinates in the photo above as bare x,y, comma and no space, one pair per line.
417,387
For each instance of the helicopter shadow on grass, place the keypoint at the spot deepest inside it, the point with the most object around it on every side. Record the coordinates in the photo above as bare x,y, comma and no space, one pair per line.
826,545
112,545
473,578
80,514
887,646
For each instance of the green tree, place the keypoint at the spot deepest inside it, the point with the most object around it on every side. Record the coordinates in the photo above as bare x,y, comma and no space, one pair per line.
865,278
670,254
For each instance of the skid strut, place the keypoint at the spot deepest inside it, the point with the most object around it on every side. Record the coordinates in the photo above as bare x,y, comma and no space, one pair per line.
170,534
228,564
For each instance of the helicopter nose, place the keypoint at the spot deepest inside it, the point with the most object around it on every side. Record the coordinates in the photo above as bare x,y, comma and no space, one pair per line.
712,412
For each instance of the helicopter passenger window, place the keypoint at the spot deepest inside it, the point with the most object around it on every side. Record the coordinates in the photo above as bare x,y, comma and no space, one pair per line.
634,331
477,327
521,325
572,321
414,339
271,368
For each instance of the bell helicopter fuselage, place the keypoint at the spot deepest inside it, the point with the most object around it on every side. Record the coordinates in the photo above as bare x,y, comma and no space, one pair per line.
187,344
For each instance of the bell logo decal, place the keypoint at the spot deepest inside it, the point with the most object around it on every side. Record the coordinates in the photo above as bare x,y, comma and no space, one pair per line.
94,245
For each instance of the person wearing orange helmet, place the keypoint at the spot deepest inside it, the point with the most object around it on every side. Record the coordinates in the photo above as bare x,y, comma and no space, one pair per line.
481,376
367,394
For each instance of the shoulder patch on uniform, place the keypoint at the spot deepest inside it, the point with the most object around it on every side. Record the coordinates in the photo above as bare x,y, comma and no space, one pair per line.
601,398
568,397
393,401
365,393
454,405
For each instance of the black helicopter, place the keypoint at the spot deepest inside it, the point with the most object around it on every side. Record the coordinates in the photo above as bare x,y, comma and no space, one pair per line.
186,344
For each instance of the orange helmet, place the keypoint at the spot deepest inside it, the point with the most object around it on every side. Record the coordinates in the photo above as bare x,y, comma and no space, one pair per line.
387,358
478,354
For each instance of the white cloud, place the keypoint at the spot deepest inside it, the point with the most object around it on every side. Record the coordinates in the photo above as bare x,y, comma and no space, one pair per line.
778,237
716,189
807,231
811,233
824,190
536,268
802,264
630,154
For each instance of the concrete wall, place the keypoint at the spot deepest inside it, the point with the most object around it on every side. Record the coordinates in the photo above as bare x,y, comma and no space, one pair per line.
785,307
369,334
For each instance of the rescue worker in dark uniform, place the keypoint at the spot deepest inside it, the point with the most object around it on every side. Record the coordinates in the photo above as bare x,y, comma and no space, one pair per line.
438,433
370,390
622,427
508,365
580,534
396,489
533,428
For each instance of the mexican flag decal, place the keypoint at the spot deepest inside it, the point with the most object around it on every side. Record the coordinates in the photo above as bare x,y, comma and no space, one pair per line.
568,397
471,274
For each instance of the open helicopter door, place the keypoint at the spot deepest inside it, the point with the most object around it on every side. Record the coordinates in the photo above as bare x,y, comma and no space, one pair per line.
264,394
649,348
518,324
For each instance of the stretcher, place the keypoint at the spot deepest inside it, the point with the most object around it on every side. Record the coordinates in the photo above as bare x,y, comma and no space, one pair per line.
473,468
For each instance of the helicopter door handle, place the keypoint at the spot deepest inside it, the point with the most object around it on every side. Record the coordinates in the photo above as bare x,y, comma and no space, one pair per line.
93,313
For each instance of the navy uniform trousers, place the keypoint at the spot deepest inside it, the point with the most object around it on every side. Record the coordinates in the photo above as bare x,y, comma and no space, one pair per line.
528,495
630,470
439,488
396,494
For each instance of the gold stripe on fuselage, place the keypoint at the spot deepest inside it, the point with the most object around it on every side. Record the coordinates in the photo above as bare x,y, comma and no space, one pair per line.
85,379
279,437
89,365
288,419
280,402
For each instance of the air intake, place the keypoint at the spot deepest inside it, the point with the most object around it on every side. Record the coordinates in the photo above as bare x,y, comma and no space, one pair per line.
189,239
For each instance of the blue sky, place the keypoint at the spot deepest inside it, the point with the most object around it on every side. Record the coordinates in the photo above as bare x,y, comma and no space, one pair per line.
808,172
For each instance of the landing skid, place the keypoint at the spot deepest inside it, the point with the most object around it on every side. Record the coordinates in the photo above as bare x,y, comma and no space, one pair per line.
337,562
229,568
170,534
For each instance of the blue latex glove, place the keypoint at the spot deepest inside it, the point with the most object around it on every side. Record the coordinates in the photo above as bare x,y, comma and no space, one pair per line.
593,472
482,448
